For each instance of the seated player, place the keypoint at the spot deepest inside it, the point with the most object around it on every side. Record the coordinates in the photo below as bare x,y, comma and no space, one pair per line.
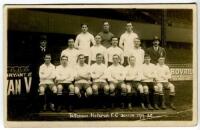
133,78
98,48
82,79
47,89
163,75
148,76
100,86
71,52
64,78
116,76
114,49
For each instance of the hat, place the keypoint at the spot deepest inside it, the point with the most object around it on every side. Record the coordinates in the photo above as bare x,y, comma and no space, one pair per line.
43,37
155,38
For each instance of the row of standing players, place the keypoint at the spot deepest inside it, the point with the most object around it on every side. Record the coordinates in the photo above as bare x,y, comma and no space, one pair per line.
106,43
128,88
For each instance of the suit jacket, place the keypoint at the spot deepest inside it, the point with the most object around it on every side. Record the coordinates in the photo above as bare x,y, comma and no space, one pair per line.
155,54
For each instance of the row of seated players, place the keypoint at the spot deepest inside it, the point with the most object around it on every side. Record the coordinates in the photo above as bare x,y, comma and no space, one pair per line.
116,82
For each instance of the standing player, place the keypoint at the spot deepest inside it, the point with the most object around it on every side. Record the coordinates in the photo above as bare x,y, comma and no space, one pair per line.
148,76
98,48
114,49
71,53
100,86
106,35
47,89
137,52
83,41
64,78
163,75
126,41
155,51
116,76
82,79
133,81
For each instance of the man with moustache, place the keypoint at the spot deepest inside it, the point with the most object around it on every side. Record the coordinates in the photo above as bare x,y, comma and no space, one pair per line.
156,51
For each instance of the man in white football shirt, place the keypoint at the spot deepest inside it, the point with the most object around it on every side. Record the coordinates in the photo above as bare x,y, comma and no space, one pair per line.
98,48
148,77
64,77
47,89
133,81
116,76
163,75
99,86
115,50
82,79
83,42
126,41
137,52
71,53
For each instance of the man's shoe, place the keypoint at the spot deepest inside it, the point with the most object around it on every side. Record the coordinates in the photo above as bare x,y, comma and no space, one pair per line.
143,106
172,106
122,106
70,109
59,108
112,105
44,107
150,107
52,107
163,106
129,106
156,107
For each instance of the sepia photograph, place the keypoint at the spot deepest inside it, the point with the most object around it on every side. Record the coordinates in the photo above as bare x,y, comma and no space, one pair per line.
100,65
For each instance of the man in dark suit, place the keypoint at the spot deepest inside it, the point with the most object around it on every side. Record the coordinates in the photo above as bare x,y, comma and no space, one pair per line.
156,51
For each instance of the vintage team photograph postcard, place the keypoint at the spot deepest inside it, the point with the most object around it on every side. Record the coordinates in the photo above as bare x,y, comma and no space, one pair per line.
104,65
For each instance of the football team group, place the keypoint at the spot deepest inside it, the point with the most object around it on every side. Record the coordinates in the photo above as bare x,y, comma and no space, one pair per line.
108,71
